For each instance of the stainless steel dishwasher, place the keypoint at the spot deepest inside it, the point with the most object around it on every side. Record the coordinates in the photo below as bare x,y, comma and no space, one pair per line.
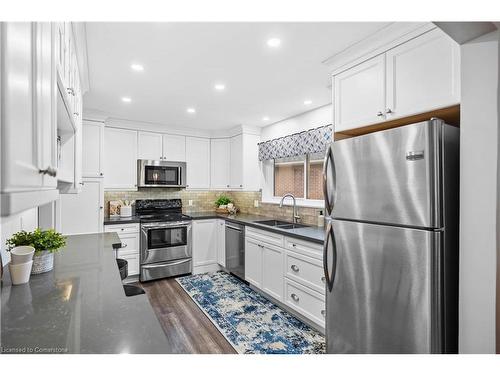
235,249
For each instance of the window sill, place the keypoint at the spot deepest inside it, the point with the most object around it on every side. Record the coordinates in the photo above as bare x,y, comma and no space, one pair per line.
311,203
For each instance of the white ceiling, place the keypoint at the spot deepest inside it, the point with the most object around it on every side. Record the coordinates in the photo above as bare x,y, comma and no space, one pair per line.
183,61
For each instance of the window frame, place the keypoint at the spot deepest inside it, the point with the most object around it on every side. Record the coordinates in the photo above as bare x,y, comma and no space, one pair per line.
267,168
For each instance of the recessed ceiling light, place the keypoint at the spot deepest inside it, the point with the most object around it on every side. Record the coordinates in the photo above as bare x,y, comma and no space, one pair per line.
265,118
220,86
307,102
126,99
137,67
274,42
191,110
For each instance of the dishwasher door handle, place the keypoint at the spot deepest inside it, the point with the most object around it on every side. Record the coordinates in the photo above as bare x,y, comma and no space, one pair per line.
234,228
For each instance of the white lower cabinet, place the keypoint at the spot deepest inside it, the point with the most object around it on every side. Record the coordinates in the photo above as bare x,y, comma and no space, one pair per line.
129,237
204,234
221,242
253,262
287,269
307,302
272,271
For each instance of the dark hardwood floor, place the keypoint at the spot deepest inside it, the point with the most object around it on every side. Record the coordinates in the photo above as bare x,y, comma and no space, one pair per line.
187,328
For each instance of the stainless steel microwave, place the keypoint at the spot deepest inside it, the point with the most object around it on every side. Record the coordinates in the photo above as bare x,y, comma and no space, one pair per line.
159,173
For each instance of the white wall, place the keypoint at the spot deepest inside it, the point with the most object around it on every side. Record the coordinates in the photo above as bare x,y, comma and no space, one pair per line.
308,120
478,190
27,220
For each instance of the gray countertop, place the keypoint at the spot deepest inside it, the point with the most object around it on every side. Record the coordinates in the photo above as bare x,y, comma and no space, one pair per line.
79,307
310,233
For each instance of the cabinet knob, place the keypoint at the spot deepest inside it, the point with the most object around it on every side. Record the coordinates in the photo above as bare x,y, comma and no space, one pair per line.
100,174
380,114
294,268
101,207
295,297
261,246
388,110
76,114
323,312
294,245
323,279
241,185
52,172
82,183
227,185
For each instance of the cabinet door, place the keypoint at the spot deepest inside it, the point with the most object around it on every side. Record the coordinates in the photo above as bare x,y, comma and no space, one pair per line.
198,163
83,213
219,161
21,157
174,147
120,159
221,242
149,146
92,144
359,95
236,166
45,93
253,262
204,242
422,75
272,271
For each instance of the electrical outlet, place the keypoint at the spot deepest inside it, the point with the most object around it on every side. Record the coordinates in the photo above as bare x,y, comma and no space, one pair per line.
256,203
190,202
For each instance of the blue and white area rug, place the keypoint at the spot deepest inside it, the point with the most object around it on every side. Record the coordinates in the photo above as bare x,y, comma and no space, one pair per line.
250,322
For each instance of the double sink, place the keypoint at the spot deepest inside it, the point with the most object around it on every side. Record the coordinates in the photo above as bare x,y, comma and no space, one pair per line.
280,224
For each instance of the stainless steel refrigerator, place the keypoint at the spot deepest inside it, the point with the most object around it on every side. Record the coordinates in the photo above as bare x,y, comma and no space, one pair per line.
391,245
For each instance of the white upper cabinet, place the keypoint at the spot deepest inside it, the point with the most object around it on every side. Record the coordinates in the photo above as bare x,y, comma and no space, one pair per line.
236,165
120,159
174,147
28,127
220,160
422,75
92,146
359,94
149,146
198,163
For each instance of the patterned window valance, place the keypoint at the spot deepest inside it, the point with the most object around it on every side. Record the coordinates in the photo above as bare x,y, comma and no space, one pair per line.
306,142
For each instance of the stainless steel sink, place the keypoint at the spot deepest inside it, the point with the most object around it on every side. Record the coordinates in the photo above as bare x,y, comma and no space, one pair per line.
280,224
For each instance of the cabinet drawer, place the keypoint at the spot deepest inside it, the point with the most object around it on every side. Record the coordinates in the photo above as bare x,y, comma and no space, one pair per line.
311,249
305,270
264,236
122,228
130,244
305,301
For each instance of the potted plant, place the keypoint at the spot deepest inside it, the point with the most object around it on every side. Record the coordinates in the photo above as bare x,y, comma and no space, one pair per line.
222,201
45,242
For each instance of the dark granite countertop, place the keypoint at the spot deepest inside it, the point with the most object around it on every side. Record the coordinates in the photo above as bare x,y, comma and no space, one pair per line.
79,307
121,220
311,233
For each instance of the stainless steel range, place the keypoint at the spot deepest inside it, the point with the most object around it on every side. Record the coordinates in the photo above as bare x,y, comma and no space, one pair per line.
165,248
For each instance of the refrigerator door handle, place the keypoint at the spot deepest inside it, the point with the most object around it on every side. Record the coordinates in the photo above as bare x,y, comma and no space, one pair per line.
330,237
326,163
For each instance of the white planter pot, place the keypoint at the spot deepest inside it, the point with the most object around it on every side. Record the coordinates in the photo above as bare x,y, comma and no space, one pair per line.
42,262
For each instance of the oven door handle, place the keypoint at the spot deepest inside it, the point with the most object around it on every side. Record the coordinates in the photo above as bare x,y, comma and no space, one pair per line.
166,225
163,264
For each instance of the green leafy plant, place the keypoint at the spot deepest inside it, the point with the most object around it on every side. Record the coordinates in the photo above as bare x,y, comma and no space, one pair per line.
41,240
222,200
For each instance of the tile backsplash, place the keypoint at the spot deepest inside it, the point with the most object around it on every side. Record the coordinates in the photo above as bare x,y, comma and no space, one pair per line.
204,201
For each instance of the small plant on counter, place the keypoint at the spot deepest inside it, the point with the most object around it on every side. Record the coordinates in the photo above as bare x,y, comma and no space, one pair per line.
45,242
223,200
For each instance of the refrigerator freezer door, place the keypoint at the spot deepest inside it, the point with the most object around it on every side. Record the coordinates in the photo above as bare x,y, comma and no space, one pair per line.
390,176
384,297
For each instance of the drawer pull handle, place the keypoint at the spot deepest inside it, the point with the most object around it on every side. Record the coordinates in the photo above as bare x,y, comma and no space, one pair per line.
323,279
262,246
295,297
323,312
294,268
